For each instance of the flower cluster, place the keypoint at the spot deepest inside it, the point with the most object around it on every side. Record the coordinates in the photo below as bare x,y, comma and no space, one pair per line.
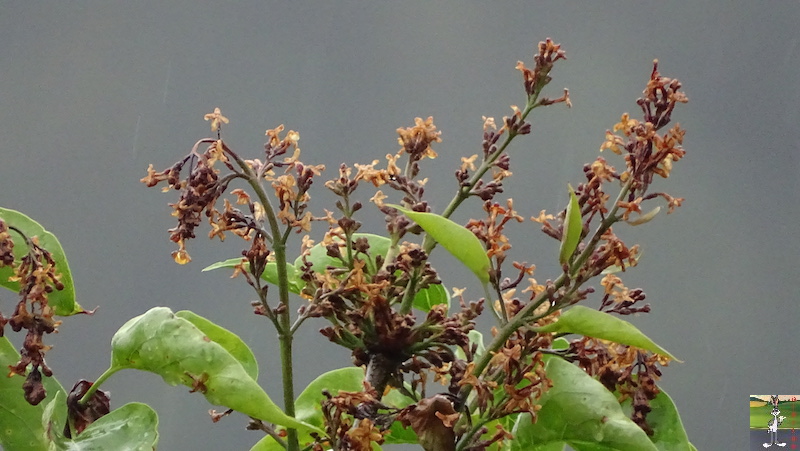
35,272
624,369
202,187
352,421
372,290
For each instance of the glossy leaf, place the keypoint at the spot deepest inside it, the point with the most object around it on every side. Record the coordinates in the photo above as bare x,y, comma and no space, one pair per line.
225,338
458,240
430,296
592,323
62,302
579,411
270,273
172,347
21,423
573,227
132,427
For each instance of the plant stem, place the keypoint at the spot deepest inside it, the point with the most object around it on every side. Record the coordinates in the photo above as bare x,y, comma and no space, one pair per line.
285,332
96,385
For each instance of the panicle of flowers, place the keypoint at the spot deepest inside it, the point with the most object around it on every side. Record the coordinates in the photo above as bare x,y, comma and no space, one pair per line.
35,272
648,153
620,299
548,53
416,141
202,187
353,421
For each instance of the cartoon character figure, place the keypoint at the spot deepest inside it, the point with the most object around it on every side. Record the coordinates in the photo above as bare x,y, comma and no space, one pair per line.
774,423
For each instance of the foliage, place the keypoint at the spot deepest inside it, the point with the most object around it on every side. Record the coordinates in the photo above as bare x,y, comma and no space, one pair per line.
553,373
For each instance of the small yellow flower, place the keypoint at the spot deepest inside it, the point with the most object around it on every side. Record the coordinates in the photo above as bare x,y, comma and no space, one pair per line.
180,256
468,163
216,118
378,198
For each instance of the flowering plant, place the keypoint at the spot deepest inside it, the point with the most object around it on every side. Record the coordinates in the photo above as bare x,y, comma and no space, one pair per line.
553,372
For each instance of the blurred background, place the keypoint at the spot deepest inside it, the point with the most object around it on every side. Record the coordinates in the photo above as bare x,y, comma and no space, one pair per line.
91,92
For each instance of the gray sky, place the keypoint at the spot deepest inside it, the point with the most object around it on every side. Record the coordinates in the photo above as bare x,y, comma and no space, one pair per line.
93,91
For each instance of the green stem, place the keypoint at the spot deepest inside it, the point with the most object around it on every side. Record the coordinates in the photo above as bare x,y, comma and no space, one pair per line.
96,385
463,192
285,333
429,243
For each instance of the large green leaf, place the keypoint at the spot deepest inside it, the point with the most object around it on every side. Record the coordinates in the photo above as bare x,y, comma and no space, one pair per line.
579,411
21,423
225,338
172,347
573,227
132,427
62,302
592,323
458,240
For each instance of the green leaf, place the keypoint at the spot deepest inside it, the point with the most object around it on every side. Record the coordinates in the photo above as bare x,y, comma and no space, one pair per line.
62,302
172,347
573,227
668,431
21,423
458,240
308,404
225,338
592,323
270,273
132,427
430,296
397,433
267,443
581,412
320,260
475,338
